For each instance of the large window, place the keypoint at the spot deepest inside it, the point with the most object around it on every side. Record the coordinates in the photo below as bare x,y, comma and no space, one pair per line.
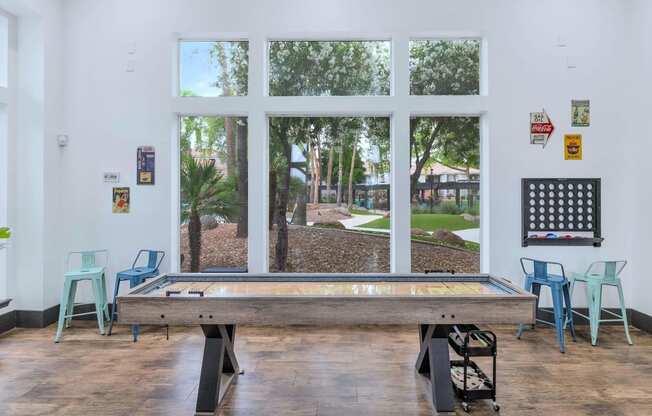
445,67
328,177
213,179
445,193
213,69
321,117
329,68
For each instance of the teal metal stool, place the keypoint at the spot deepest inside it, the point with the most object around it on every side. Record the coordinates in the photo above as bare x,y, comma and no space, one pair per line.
88,270
601,273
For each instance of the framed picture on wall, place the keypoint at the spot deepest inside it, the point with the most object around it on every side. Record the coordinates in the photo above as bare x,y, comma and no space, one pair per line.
121,200
145,168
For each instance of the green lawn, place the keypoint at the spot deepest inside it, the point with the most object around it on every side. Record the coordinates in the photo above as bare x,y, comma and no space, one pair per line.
429,222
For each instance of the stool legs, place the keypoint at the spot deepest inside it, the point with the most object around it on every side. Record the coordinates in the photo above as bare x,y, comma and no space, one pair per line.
528,288
623,311
568,311
105,300
114,312
70,307
135,329
99,308
558,310
595,309
62,309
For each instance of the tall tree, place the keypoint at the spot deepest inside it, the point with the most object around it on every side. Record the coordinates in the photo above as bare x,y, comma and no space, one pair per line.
243,180
351,172
340,170
229,123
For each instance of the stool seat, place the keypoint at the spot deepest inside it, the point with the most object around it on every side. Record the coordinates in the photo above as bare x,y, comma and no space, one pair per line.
84,273
138,272
550,280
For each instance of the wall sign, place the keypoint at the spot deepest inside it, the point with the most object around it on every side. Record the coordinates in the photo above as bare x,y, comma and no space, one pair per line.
541,128
581,113
145,167
113,177
120,201
573,147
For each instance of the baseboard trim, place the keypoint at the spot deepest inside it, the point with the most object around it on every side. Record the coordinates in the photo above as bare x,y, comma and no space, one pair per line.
641,320
7,321
41,319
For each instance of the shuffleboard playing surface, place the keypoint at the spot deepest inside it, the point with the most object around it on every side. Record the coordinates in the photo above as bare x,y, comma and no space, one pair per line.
262,289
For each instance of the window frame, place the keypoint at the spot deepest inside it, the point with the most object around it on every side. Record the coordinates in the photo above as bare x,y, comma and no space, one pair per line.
399,106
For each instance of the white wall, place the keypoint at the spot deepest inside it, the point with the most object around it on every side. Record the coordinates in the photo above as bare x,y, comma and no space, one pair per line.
33,188
7,126
639,106
108,112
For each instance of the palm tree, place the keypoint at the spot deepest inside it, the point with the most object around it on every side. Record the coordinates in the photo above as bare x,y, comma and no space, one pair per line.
203,192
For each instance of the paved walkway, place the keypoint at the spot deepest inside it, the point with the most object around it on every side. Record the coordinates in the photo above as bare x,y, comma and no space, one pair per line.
356,221
472,234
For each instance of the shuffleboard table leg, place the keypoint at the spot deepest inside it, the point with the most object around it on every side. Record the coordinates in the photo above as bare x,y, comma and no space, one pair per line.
219,367
434,362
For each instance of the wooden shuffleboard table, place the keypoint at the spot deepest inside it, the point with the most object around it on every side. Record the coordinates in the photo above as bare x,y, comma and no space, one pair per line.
220,302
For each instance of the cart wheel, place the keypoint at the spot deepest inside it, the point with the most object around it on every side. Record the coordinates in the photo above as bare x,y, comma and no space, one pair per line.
496,407
465,406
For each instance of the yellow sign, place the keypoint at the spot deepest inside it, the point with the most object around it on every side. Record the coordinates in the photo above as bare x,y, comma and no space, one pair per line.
573,147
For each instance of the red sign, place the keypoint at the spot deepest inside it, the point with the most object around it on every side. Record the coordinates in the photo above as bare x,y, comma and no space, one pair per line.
541,128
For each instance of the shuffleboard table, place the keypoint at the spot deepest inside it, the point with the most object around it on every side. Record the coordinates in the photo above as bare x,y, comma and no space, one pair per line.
220,302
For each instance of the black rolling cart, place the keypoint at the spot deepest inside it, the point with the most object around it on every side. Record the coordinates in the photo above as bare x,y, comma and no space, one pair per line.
469,381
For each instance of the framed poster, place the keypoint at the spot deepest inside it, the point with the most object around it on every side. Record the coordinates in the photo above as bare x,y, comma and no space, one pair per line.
572,147
580,113
120,201
145,165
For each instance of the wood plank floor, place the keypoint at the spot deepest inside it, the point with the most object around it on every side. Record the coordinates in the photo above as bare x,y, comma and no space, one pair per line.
311,371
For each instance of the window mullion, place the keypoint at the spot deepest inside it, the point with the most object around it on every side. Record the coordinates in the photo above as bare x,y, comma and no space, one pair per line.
400,255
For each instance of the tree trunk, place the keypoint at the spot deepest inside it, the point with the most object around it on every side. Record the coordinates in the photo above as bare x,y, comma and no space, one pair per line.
316,163
340,172
243,182
230,146
299,215
329,172
350,194
228,121
282,244
420,162
272,198
194,240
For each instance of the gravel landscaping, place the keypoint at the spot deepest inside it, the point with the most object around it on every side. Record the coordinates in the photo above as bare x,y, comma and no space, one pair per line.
314,250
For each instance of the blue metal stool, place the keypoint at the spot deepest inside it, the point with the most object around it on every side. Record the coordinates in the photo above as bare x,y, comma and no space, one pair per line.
559,286
136,276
